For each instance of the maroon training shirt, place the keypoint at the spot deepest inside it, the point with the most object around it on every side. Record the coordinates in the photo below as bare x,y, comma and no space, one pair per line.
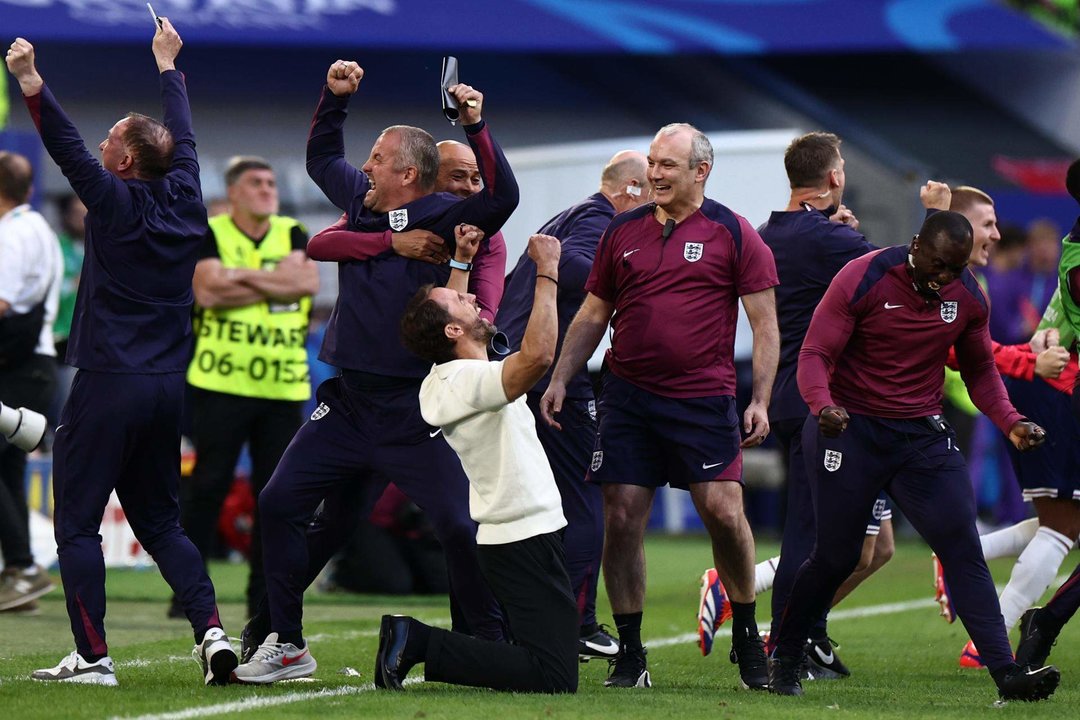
676,300
877,347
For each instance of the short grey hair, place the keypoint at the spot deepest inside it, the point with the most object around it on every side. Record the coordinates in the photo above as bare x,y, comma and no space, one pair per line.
417,149
700,147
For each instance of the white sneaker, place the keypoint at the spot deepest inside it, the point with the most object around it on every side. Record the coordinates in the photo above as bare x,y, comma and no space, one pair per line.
216,656
74,669
275,661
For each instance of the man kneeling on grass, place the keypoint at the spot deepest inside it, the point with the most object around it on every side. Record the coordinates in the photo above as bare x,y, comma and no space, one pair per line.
480,408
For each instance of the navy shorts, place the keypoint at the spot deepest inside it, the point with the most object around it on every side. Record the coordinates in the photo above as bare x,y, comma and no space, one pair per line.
651,440
1052,470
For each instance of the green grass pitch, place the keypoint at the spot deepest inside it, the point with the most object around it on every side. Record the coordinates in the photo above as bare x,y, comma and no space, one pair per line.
903,658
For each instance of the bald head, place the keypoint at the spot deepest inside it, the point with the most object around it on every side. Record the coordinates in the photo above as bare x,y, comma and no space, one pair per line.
624,180
16,178
940,252
626,167
458,172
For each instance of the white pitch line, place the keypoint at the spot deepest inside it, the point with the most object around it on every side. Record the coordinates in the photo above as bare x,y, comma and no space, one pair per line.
844,614
257,703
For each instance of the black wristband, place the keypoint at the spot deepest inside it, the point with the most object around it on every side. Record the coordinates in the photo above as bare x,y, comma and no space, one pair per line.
540,275
458,265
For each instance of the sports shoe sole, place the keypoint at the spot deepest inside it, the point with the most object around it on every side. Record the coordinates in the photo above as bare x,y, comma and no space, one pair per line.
83,679
287,673
222,663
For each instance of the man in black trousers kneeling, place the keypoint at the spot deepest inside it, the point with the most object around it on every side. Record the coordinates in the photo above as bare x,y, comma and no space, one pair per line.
480,407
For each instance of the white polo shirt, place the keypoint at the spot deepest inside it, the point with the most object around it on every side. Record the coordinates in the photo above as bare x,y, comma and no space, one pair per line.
31,265
512,491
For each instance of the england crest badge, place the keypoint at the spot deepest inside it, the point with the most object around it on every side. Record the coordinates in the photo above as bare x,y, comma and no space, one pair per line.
597,460
692,252
833,458
948,311
320,412
399,219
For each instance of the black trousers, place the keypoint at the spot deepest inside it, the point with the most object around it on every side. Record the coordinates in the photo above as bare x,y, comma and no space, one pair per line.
529,579
222,424
30,385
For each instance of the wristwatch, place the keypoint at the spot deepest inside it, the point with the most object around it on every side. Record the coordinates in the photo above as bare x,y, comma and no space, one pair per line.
457,265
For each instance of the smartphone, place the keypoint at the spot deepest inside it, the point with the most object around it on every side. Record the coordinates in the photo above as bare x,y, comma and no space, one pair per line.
153,14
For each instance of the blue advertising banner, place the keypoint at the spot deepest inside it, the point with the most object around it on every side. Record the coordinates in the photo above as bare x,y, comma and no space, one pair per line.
738,27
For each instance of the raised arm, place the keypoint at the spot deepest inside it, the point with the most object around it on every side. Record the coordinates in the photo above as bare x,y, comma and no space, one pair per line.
486,281
467,240
176,110
490,208
524,368
94,185
326,164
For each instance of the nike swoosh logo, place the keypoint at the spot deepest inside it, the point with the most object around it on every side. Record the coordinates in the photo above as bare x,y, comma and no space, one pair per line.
709,466
826,659
604,647
892,307
433,434
287,661
628,253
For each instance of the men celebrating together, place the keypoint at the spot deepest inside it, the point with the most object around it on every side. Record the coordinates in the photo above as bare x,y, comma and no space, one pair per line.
532,481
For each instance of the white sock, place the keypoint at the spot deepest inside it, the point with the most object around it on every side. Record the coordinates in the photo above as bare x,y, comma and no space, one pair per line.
1032,574
1010,541
764,574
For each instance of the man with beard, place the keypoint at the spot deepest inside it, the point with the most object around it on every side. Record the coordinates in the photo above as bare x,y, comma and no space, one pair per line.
367,428
480,407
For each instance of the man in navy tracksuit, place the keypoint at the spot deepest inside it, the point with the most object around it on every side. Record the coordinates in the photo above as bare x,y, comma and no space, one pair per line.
367,429
569,449
131,340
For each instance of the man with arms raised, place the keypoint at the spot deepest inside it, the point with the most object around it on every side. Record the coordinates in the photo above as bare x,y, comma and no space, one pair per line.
367,429
131,341
480,407
569,446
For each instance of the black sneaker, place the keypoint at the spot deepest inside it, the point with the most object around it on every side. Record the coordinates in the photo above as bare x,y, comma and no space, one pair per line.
601,644
629,670
822,662
1022,682
784,675
1036,638
252,636
749,652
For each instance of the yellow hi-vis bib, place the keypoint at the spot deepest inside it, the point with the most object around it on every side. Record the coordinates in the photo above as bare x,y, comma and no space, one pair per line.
257,350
